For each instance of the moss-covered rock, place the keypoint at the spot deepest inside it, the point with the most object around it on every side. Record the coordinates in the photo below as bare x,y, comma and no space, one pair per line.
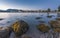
43,27
56,29
54,23
5,32
20,27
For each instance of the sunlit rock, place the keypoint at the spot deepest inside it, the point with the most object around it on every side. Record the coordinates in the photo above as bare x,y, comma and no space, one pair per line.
20,27
54,24
43,27
56,29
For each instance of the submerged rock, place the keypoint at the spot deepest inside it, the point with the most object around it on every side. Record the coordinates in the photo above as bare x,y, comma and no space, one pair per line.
20,27
41,21
1,19
38,17
5,32
49,16
43,27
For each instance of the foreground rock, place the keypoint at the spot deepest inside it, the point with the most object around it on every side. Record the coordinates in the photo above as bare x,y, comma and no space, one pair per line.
56,30
43,27
20,27
5,32
55,24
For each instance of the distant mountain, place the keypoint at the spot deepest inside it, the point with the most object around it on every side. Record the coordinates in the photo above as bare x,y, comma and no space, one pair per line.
12,10
2,11
27,11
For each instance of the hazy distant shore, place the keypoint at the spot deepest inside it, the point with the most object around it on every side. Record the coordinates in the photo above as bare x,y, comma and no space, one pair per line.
29,12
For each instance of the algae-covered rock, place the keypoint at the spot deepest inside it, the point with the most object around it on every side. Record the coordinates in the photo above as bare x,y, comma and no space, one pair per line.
20,27
54,24
56,29
5,32
43,27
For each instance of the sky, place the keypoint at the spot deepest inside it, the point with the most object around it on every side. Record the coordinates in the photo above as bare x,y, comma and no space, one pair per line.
29,4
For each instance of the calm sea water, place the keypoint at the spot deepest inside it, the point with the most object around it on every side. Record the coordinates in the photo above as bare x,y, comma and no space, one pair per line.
30,18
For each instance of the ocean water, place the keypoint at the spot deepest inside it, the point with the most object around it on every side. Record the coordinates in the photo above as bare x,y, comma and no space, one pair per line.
30,18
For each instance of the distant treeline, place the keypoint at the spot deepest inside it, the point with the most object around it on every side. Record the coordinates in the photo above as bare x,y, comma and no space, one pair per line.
16,10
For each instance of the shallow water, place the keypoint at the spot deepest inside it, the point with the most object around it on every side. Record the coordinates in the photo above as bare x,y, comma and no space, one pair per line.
30,18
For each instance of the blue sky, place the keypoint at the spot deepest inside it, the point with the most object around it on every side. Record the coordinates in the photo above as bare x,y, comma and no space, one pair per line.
29,4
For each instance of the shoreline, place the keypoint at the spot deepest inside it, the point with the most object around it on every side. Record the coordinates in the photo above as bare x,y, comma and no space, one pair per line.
29,12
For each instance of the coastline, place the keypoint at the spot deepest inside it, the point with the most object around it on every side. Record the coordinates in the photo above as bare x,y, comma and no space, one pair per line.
29,12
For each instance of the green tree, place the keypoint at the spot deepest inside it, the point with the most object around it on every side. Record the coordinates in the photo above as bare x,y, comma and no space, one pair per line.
59,8
48,10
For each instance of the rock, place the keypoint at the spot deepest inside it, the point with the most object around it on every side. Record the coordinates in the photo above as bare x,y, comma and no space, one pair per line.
56,29
26,36
58,18
54,23
1,19
38,17
5,32
43,27
20,27
49,16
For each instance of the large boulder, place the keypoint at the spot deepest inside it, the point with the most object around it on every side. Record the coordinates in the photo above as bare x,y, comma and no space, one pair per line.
5,32
20,27
43,27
